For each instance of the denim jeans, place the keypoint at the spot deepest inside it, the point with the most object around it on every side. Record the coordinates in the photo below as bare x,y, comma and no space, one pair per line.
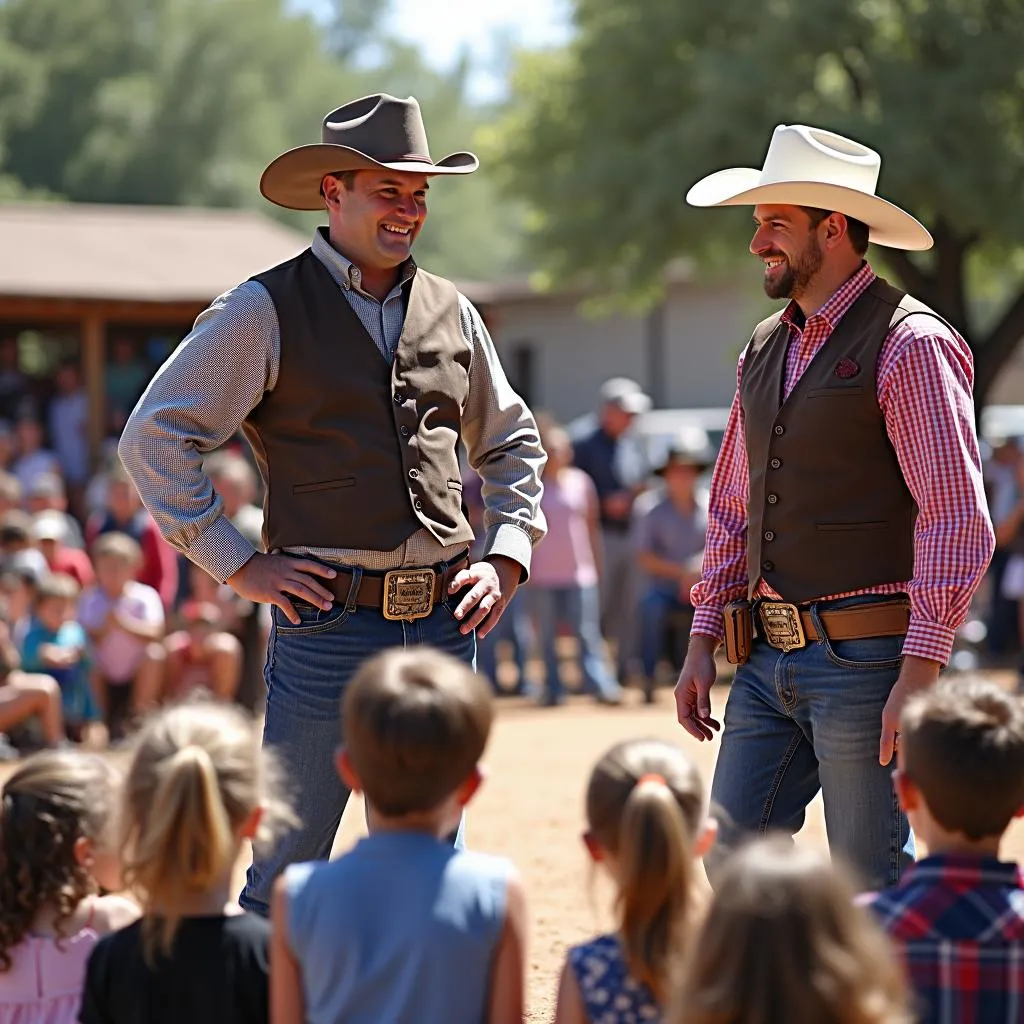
513,626
655,607
307,668
808,720
578,609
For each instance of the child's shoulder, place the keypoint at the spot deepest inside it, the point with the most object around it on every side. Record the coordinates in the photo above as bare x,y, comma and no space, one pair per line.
111,913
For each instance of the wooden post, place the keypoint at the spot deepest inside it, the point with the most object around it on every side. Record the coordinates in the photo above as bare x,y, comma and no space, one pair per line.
94,344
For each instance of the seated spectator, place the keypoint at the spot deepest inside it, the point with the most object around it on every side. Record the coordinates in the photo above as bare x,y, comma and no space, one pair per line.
14,385
48,494
16,542
17,596
124,513
669,540
784,942
56,645
26,699
957,915
49,531
68,420
124,620
10,493
33,459
203,655
125,378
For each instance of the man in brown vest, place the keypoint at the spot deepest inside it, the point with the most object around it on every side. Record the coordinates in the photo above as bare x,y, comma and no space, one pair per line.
354,375
847,527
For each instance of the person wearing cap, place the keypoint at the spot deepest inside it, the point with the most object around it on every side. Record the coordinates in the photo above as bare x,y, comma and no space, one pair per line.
669,539
354,375
618,472
48,494
847,505
49,531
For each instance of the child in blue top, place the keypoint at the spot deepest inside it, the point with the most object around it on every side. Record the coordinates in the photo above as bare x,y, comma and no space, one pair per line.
56,645
646,826
404,928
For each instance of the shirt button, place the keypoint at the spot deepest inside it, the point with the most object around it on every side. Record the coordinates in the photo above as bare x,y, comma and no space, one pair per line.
413,473
769,535
775,463
418,505
767,566
772,499
780,429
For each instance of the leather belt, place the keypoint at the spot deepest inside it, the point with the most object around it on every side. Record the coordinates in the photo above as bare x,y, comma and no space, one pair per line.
788,627
399,594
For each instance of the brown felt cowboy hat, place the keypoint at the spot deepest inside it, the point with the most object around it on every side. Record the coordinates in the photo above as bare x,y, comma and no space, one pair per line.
374,132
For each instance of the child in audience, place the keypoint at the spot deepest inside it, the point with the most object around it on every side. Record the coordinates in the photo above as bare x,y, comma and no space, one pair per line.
646,825
56,644
404,927
125,622
56,854
783,942
197,786
958,914
202,655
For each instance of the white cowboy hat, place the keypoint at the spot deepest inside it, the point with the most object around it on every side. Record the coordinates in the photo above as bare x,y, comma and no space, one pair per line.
811,167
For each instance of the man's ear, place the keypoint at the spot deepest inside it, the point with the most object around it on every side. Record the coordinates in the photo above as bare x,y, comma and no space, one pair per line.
346,772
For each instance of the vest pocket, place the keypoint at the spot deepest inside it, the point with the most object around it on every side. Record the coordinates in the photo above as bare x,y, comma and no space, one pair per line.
838,391
324,485
879,524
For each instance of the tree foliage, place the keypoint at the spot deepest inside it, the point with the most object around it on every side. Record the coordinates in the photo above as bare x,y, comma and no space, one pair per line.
604,137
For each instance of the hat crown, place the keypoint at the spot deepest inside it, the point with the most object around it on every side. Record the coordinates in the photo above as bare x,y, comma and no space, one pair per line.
801,153
384,127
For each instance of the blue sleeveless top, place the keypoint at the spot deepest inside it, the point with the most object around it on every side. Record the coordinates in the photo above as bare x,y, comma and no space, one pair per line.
403,928
610,995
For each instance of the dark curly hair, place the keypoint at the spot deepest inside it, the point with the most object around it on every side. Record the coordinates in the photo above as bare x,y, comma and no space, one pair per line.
54,799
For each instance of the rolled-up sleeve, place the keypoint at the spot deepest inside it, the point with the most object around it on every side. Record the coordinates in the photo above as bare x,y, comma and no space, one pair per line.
503,445
195,403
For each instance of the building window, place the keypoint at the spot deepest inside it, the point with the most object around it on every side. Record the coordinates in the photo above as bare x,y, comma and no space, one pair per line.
522,369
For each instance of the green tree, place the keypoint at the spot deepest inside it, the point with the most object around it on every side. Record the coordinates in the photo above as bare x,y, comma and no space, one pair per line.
604,137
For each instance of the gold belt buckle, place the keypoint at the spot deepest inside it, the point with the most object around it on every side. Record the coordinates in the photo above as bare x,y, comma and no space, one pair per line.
782,626
408,594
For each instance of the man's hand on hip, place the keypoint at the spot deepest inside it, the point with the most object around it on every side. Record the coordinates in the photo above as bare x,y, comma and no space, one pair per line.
268,578
693,691
492,584
915,675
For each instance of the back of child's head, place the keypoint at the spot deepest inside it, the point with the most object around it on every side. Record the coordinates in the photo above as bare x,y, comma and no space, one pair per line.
962,746
55,798
645,806
784,941
117,547
56,586
415,723
195,777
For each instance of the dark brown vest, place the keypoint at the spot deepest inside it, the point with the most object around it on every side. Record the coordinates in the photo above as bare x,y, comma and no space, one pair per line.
356,453
828,509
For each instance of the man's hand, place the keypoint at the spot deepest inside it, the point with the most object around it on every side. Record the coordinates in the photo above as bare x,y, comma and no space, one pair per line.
492,583
915,675
693,691
268,578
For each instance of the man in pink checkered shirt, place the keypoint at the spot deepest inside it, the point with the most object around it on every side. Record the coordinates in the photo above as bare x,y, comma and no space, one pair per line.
847,511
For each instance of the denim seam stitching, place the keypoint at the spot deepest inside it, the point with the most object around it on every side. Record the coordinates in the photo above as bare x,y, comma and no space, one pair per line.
773,790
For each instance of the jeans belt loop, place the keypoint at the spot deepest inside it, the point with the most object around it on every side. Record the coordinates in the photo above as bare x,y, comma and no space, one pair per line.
823,637
353,589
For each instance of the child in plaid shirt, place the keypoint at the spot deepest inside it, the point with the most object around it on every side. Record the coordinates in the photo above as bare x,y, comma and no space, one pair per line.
958,914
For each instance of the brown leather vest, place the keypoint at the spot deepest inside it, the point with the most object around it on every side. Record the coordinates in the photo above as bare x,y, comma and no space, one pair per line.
356,453
828,509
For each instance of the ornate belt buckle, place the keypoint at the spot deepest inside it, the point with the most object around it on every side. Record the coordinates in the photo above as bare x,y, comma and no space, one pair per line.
408,594
782,626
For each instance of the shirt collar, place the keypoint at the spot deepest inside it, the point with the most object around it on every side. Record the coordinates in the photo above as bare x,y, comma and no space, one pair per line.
964,870
838,303
345,273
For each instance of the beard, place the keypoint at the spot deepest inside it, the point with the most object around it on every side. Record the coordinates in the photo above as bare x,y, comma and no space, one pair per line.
796,272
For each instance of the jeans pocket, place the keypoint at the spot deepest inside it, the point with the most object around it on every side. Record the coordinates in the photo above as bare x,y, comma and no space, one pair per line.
872,652
311,619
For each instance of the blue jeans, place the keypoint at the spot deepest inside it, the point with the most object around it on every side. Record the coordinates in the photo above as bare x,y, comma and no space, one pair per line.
579,610
808,720
307,669
513,626
655,607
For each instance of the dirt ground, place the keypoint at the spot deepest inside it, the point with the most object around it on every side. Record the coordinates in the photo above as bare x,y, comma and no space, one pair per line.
530,809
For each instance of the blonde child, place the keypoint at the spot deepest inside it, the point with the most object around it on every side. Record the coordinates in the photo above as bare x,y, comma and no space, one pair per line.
404,928
784,942
56,854
646,826
197,786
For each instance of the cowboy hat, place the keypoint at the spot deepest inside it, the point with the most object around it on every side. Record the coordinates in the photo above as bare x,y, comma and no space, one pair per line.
374,132
811,167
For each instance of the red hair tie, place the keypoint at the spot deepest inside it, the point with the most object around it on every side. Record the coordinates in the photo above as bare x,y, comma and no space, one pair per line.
652,777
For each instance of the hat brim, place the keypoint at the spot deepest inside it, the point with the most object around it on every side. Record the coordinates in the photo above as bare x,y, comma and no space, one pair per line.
293,179
888,225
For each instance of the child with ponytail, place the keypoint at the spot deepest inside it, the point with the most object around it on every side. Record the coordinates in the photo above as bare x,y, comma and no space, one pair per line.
646,826
197,786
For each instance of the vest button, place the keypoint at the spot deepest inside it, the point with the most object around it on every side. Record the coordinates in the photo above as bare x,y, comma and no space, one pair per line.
767,566
769,535
775,463
413,473
404,431
780,429
399,398
772,499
